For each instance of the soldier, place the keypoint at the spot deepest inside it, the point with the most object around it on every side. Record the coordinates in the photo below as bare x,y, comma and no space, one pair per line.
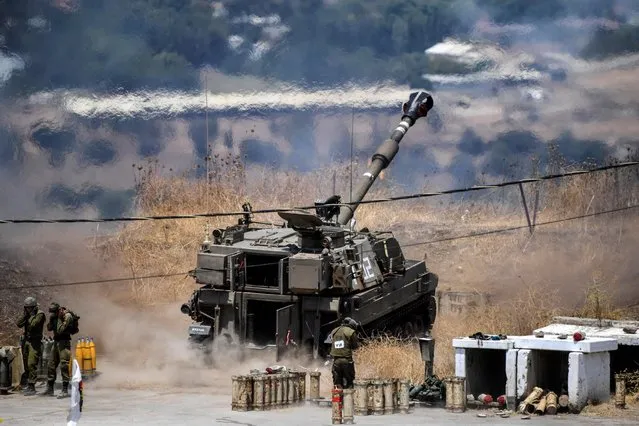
60,322
344,342
33,322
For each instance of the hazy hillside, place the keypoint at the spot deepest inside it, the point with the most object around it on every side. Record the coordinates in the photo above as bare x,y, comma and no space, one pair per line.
122,45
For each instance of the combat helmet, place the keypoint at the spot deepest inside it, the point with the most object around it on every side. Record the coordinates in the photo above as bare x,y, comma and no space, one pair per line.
53,308
350,322
30,302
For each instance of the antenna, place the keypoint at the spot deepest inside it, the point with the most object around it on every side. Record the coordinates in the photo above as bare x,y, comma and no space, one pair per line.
350,195
334,185
208,151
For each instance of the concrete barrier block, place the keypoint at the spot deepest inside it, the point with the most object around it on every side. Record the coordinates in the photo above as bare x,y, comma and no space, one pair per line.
591,344
487,370
460,362
525,372
469,343
511,379
588,378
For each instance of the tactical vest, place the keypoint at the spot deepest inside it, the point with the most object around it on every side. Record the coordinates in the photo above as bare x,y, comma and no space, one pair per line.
34,327
341,342
61,328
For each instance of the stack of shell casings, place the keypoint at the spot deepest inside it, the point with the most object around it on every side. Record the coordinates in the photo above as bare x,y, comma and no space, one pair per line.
380,396
261,391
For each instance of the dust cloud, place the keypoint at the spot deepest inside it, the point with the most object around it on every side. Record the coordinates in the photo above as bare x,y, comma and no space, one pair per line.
147,348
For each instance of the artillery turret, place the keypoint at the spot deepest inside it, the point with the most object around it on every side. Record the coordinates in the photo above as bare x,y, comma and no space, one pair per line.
287,287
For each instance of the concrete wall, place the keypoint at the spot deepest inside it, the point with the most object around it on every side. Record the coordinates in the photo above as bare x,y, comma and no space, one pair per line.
458,302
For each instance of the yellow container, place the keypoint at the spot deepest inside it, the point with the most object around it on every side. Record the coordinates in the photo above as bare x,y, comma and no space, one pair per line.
92,352
78,352
78,356
86,356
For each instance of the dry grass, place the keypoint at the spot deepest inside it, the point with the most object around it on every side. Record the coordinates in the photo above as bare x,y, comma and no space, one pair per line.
581,267
389,358
149,248
608,409
596,248
532,309
170,246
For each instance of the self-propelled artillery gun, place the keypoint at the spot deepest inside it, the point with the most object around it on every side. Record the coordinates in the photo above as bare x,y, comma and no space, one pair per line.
285,287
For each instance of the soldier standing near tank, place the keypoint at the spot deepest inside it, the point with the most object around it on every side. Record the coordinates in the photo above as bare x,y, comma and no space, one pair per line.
343,343
59,322
33,322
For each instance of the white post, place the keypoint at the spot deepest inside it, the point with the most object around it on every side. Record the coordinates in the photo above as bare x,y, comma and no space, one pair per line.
75,411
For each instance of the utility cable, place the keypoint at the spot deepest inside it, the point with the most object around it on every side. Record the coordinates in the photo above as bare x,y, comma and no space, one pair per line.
459,237
517,228
276,210
109,280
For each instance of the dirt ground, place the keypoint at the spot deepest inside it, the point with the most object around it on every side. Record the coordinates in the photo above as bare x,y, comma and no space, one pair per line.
206,406
193,396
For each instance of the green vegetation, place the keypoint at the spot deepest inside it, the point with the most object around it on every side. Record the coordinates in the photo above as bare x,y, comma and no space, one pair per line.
135,44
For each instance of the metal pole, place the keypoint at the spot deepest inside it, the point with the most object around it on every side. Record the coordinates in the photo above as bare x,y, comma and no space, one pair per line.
523,200
350,196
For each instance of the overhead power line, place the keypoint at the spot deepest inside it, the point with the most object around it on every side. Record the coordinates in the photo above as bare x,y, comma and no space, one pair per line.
283,209
104,281
517,228
459,237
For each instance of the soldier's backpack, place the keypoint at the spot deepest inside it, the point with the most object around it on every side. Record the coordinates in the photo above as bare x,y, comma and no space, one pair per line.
74,327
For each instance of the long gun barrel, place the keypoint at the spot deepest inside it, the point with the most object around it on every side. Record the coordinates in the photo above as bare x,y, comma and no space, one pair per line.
418,105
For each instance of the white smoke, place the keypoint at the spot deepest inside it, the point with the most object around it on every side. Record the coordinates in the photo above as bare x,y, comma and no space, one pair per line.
9,64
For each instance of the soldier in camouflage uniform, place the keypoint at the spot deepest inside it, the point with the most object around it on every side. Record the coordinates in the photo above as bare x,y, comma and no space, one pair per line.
33,322
59,322
343,343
